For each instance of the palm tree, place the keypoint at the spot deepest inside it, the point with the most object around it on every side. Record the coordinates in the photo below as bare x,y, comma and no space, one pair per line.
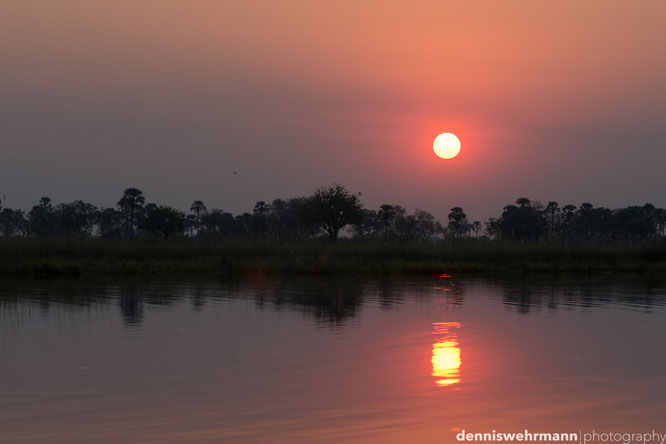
42,219
458,224
198,209
387,215
259,222
523,202
131,204
552,216
260,208
476,228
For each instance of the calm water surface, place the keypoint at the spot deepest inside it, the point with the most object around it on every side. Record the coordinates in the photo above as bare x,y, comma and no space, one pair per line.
265,359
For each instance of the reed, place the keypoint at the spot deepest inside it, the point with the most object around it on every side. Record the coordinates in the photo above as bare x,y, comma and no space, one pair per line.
66,256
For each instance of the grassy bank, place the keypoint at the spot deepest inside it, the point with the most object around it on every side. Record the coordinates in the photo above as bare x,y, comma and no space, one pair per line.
71,256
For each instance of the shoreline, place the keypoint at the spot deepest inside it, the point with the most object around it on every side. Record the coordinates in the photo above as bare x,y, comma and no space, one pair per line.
53,257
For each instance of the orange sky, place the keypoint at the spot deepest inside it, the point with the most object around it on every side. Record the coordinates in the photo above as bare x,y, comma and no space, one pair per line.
553,100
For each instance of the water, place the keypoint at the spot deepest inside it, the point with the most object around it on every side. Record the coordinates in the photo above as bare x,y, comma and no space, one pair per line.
265,359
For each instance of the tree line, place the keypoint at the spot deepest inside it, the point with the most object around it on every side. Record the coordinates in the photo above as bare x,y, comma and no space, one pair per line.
328,212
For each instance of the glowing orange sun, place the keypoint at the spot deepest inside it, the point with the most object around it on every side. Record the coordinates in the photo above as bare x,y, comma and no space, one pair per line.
446,145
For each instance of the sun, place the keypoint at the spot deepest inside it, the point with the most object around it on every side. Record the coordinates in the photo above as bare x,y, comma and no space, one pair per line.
446,145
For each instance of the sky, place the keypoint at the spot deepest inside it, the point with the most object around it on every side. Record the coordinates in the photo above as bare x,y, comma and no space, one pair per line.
552,100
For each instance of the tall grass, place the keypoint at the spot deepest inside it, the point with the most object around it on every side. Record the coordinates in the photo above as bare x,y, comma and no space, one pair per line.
78,256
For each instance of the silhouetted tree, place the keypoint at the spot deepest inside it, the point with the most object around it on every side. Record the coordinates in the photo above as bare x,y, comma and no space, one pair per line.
522,222
77,218
110,223
387,215
406,227
162,220
191,225
636,224
568,222
198,210
476,228
593,224
13,222
333,208
402,223
523,202
660,219
287,219
552,214
131,207
219,223
42,220
493,228
243,225
425,224
458,224
369,226
259,222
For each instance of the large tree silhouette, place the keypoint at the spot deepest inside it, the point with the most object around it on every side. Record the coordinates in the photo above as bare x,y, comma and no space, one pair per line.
42,220
333,208
198,210
458,224
330,209
387,215
131,206
522,222
162,220
77,218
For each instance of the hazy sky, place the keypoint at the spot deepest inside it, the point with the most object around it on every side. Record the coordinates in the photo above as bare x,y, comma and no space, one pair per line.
552,100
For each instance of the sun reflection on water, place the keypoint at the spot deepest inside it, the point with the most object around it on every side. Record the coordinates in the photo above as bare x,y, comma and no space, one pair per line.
446,354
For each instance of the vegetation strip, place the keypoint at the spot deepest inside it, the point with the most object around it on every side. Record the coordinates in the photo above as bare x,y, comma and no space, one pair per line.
80,256
328,231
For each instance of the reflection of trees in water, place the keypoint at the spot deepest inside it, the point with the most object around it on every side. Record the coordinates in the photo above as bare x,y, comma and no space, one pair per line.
526,295
334,300
71,295
48,294
386,294
330,299
51,297
135,295
131,306
198,299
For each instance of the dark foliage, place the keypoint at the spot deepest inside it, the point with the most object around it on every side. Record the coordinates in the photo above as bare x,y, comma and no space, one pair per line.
330,211
333,208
